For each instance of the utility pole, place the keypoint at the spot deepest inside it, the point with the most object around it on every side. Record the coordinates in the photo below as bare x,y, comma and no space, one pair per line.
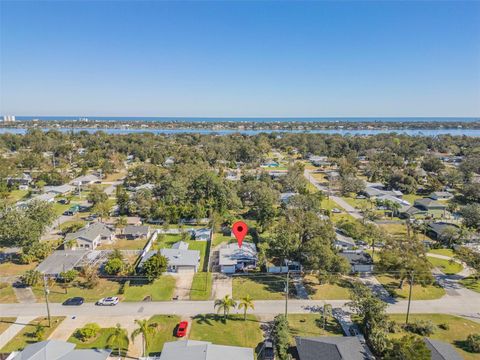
286,293
409,296
45,288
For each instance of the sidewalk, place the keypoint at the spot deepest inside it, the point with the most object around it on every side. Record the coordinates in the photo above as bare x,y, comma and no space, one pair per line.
14,329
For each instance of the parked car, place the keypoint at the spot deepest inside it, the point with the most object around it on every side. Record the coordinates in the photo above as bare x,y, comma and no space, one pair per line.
91,217
76,301
108,301
268,352
182,329
336,211
64,201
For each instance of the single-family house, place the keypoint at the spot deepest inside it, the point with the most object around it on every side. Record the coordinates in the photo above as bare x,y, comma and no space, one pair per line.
85,180
319,161
331,348
59,190
180,259
203,234
343,242
428,204
169,161
90,236
233,258
23,180
58,350
376,190
134,232
333,175
61,261
360,261
440,350
440,195
147,186
440,230
203,350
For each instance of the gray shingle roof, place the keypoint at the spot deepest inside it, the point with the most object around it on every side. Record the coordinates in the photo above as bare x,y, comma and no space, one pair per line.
140,230
331,348
357,258
202,350
441,350
90,232
59,350
61,260
231,253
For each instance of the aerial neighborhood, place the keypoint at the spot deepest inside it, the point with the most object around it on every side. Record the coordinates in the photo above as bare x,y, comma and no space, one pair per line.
332,230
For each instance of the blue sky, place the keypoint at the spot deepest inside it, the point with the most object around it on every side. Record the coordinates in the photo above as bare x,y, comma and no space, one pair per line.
140,58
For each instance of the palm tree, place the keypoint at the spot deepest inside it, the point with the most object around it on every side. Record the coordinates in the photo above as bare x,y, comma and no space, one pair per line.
245,304
116,338
225,305
120,223
145,329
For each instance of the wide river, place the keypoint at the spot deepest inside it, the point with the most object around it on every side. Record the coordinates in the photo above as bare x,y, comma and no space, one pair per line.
412,132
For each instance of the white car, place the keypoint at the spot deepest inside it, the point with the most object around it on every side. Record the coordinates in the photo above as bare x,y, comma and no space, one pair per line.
108,301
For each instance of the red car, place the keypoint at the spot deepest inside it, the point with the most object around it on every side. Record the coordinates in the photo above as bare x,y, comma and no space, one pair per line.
182,329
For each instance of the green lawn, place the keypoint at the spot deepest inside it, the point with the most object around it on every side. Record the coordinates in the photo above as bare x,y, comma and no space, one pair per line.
101,341
16,195
219,238
419,292
234,332
446,266
335,291
311,325
444,252
397,230
7,295
459,329
5,322
411,198
25,337
201,286
165,332
160,290
75,220
202,247
11,268
259,287
57,293
471,283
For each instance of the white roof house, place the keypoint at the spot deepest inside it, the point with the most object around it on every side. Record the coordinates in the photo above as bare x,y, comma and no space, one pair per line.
232,257
179,259
85,180
90,236
59,190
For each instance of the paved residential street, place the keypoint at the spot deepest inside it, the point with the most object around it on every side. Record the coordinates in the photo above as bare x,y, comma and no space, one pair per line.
467,305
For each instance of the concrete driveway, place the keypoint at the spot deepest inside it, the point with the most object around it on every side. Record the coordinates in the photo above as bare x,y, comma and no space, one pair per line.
183,284
222,285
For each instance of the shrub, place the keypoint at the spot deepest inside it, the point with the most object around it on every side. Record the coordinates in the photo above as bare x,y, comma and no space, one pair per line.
421,327
281,335
39,332
87,332
444,326
473,343
113,266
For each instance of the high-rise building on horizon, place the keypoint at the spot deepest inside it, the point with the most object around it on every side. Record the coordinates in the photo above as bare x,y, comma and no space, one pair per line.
8,118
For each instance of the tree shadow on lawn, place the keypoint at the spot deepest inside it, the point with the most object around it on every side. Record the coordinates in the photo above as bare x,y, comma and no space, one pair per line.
212,319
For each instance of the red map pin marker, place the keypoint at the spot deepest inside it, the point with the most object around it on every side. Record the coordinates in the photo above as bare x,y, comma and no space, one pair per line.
240,229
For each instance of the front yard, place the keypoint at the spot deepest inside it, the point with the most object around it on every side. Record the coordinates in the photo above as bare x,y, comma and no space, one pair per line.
419,292
9,268
101,341
259,287
446,266
7,295
338,290
26,337
57,293
471,283
201,286
311,325
165,332
458,330
234,332
160,290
